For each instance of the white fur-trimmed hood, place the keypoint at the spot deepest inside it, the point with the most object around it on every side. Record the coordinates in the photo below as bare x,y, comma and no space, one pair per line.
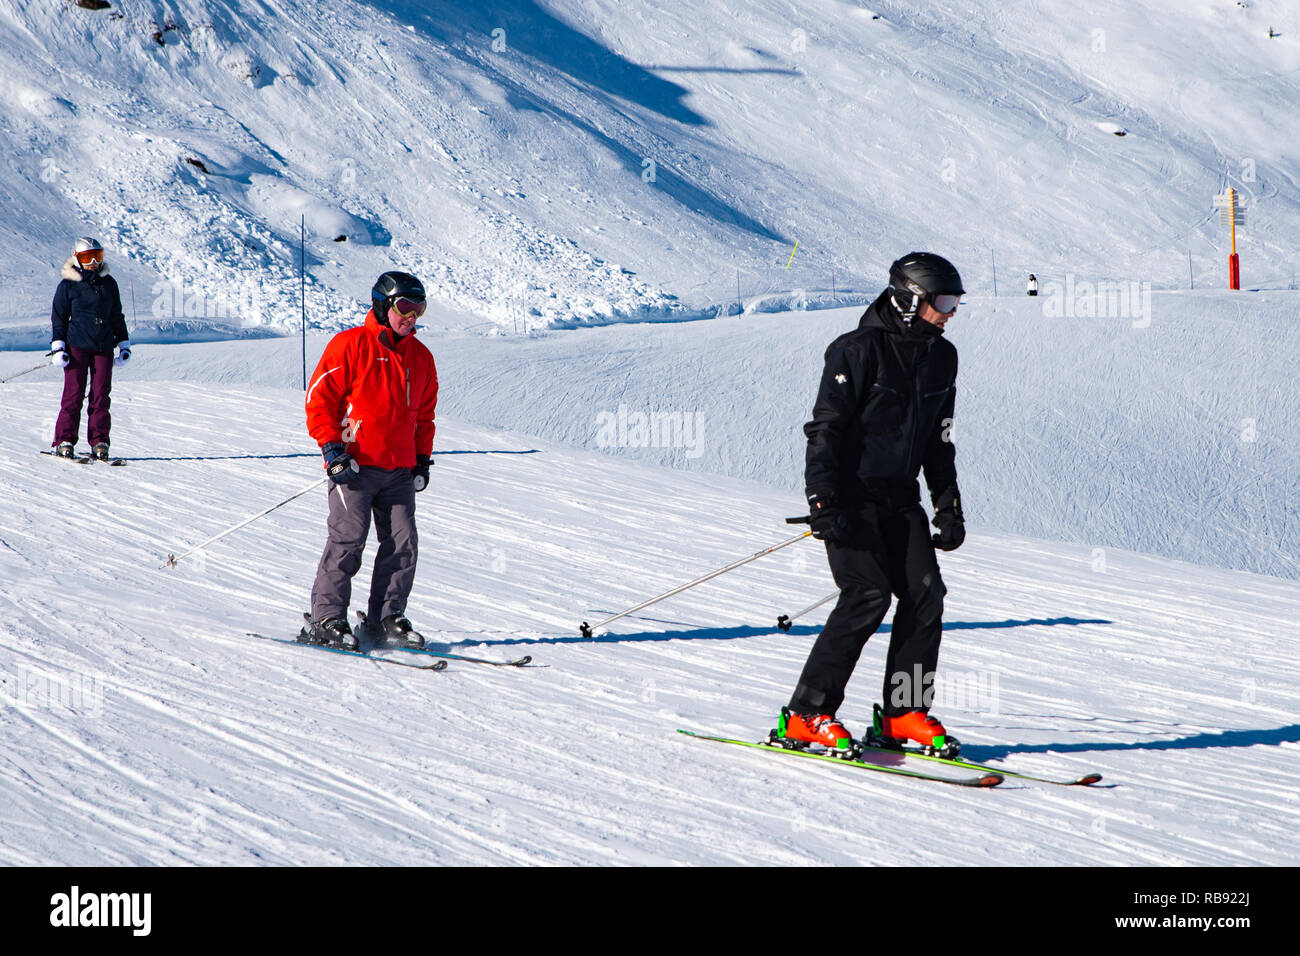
69,270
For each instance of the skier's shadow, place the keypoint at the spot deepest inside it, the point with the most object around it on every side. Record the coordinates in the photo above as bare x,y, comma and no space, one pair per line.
308,454
296,454
1202,741
740,633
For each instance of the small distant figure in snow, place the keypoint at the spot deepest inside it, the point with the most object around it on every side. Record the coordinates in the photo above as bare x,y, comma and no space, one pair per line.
370,407
1272,33
1032,287
86,326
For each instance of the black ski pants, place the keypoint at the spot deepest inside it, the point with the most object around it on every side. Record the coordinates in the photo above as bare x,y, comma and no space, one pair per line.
889,552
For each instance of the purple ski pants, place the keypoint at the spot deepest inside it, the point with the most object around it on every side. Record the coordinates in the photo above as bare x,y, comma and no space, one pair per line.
99,367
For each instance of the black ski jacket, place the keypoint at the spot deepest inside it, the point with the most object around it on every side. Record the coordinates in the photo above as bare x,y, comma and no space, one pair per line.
884,411
87,310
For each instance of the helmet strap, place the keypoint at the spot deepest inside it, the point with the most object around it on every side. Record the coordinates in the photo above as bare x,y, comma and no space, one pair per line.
908,314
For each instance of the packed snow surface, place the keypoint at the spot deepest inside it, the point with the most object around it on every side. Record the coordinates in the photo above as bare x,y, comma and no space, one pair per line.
143,726
572,179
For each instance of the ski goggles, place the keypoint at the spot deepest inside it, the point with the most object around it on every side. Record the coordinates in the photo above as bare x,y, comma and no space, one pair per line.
945,304
408,308
89,256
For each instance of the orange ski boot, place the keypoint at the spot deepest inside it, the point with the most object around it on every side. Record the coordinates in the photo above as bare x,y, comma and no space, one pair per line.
916,727
821,729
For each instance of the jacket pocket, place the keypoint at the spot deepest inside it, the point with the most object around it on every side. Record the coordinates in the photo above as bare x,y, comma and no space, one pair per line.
883,412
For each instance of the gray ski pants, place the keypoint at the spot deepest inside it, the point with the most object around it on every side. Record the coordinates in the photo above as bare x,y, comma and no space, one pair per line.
388,496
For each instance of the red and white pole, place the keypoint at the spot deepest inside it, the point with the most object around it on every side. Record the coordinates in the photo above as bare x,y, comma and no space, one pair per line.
1234,264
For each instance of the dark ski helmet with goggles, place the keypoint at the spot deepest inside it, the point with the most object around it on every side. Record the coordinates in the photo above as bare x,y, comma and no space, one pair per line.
397,290
924,277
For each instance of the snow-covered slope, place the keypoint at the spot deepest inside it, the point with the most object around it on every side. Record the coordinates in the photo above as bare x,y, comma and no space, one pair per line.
545,164
573,161
141,726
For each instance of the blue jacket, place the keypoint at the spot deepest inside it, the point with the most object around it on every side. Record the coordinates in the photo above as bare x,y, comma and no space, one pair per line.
87,310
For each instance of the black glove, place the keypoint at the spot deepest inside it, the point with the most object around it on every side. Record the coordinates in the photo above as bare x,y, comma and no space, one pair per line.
339,465
948,519
827,520
420,473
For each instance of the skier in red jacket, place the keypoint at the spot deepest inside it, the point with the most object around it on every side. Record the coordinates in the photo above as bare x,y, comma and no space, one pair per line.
370,407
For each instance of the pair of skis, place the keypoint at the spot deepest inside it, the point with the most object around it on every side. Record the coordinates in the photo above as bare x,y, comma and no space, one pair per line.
438,665
84,459
897,762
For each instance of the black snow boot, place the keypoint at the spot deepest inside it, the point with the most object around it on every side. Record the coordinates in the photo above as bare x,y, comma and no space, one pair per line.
395,631
333,633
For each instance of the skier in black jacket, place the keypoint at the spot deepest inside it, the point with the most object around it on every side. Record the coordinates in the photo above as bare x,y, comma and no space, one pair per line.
86,325
884,414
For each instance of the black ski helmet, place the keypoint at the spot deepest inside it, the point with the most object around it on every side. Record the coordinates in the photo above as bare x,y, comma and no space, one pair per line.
391,286
920,276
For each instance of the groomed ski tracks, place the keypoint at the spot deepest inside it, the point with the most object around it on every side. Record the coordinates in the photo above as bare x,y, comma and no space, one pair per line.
988,779
435,666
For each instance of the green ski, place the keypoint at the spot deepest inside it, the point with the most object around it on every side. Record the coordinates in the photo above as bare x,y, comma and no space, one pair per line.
991,779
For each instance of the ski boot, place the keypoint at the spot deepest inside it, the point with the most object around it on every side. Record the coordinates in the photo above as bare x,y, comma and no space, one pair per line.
796,731
65,450
100,451
393,631
333,632
917,728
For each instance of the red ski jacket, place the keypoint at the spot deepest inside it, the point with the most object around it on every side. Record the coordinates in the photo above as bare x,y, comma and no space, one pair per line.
376,394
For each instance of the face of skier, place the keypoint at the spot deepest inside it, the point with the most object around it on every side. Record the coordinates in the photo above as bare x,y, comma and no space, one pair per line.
403,315
933,315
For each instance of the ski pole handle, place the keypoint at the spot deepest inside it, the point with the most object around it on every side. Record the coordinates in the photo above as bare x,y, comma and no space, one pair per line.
586,629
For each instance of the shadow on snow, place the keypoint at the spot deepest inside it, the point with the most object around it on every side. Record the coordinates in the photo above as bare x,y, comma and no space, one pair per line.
744,631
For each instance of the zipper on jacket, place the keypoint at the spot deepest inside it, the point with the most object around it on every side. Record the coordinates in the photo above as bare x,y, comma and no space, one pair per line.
408,388
916,414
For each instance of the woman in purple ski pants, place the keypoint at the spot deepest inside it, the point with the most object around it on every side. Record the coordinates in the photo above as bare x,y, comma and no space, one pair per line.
86,326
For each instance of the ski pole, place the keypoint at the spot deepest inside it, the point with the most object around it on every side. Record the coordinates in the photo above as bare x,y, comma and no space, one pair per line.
785,620
172,559
586,628
34,368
